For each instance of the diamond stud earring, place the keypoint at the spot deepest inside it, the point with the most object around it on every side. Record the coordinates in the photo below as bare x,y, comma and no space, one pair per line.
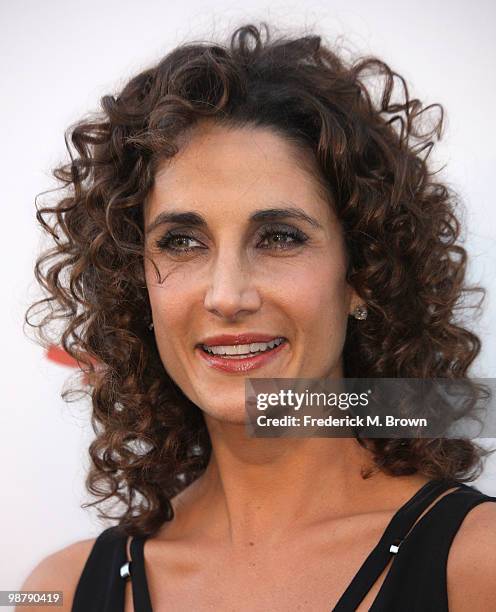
150,326
360,312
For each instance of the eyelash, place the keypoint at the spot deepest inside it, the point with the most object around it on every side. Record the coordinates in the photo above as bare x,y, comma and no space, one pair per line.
298,237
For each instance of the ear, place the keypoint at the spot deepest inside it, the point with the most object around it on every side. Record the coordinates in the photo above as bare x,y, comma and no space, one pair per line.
354,300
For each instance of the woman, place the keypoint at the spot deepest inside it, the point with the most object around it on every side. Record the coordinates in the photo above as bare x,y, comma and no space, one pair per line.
250,210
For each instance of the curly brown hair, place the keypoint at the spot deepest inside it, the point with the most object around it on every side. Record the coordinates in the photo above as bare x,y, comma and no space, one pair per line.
400,228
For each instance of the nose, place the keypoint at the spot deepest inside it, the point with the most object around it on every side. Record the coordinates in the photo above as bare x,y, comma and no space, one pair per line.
231,291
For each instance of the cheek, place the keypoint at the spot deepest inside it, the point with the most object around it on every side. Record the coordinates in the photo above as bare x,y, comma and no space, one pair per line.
170,302
319,307
318,293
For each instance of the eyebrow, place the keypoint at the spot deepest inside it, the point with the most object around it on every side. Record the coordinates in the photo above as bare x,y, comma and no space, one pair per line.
265,214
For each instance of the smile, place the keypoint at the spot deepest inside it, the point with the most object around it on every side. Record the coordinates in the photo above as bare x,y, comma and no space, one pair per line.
234,351
241,357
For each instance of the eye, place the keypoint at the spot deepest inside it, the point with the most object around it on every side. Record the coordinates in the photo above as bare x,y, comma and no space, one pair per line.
284,237
273,237
177,242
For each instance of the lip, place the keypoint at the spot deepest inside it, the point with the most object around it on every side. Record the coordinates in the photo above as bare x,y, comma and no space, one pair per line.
242,364
233,339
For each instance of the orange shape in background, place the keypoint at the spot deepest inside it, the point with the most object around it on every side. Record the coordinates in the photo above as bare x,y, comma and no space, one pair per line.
58,355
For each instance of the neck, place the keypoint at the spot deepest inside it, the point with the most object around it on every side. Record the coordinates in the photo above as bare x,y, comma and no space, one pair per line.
263,489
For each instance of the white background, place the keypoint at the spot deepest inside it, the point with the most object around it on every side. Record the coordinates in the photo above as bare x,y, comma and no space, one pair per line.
57,59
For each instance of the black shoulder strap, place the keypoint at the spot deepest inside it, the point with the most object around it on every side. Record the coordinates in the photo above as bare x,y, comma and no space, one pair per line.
417,580
390,542
100,587
141,594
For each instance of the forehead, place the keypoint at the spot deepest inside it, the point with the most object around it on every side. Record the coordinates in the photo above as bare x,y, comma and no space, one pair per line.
230,170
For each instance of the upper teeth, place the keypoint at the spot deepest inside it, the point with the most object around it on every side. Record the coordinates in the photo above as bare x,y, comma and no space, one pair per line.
243,349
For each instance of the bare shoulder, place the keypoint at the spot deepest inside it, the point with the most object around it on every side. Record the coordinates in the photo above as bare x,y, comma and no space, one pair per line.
471,567
59,571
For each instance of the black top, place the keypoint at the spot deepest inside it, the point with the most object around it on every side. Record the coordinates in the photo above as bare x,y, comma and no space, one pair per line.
415,582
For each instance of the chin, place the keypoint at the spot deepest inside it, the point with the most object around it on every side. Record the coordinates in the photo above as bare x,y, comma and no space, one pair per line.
238,420
234,416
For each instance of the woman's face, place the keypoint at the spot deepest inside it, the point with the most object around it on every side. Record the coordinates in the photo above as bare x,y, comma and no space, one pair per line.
245,244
